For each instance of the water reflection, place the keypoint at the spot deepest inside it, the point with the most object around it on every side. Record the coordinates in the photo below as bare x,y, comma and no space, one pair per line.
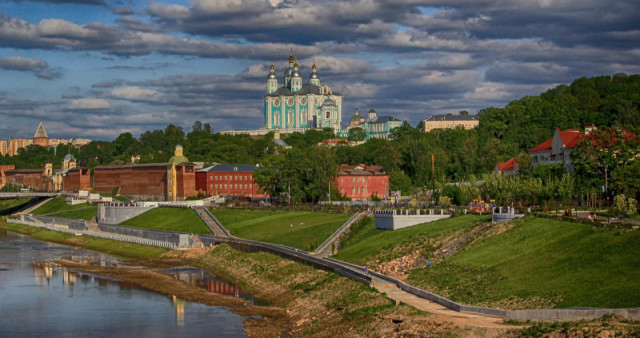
203,279
43,299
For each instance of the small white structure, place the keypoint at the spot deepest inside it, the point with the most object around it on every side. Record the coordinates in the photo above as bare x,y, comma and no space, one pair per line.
398,219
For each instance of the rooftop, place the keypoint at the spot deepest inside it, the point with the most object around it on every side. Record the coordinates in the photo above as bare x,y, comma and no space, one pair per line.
230,168
452,118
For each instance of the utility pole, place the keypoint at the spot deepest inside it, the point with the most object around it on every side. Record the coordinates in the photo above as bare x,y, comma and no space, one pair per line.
433,175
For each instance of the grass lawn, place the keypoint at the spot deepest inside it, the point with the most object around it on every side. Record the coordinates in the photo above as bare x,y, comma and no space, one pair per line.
172,219
57,204
86,214
274,226
543,263
369,243
7,206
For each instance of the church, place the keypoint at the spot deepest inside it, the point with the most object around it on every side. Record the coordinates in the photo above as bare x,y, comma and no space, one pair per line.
295,105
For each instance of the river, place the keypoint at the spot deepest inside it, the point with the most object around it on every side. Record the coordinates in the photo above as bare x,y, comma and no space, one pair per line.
38,300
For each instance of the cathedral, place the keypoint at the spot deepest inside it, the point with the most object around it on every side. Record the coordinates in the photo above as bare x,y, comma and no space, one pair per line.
298,105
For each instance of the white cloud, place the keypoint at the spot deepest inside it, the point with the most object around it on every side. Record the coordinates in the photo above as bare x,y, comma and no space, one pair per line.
488,91
169,11
133,93
63,28
22,63
88,104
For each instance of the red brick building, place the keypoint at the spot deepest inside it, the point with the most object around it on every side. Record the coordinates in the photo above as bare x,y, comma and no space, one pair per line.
77,179
3,168
359,182
35,179
228,180
153,181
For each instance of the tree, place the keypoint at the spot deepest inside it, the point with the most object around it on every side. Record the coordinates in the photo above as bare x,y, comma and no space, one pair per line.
624,206
197,126
357,134
208,128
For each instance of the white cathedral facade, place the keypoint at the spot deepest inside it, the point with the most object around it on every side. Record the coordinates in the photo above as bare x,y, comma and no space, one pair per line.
295,105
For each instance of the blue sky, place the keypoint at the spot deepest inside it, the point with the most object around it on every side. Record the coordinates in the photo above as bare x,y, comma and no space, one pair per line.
97,68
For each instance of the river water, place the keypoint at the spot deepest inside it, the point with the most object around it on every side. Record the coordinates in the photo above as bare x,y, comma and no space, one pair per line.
37,300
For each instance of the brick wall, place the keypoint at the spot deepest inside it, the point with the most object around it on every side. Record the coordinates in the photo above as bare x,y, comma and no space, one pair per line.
33,179
77,179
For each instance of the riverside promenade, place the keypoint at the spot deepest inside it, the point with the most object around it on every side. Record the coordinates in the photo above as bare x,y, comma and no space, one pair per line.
396,290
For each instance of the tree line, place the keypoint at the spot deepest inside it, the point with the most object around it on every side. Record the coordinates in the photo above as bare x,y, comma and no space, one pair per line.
608,102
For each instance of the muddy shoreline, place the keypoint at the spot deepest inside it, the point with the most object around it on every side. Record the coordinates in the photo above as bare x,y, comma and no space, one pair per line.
262,321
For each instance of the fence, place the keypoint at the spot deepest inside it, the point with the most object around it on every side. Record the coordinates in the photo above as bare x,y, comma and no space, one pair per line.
164,239
338,232
288,253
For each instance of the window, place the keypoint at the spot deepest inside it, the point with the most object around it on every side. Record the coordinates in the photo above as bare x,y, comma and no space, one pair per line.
328,114
246,186
341,179
210,186
225,186
216,186
353,179
353,190
210,178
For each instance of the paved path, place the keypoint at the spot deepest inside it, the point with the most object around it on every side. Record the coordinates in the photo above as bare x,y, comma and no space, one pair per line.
31,208
325,250
211,223
399,296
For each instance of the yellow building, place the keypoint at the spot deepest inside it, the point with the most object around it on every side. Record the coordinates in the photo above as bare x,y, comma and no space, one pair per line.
3,147
450,122
39,138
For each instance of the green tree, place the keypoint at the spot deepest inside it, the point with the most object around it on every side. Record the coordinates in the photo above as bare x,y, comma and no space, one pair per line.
357,134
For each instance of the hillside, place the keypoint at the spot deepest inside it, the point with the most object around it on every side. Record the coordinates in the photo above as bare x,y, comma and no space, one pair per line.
602,101
542,263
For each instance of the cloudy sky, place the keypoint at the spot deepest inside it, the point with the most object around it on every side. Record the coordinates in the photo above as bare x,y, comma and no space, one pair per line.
97,68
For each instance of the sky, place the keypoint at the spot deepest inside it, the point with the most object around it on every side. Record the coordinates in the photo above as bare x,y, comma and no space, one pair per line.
98,68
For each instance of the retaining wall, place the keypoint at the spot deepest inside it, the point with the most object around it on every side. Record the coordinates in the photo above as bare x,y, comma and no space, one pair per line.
288,253
119,212
398,219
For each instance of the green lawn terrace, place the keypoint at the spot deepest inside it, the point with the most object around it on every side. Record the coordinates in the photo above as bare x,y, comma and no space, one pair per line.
531,262
170,219
369,246
58,207
304,230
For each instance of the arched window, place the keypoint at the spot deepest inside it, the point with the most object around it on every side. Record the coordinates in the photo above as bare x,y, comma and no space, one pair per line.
328,114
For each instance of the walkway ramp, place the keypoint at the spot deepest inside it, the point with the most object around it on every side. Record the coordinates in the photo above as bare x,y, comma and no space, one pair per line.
29,208
213,224
325,249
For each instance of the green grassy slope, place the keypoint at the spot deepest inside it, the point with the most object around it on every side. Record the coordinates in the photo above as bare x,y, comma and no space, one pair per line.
543,263
173,219
274,226
9,205
370,244
86,214
57,204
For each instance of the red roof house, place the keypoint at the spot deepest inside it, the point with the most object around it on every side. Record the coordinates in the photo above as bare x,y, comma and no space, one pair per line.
508,168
